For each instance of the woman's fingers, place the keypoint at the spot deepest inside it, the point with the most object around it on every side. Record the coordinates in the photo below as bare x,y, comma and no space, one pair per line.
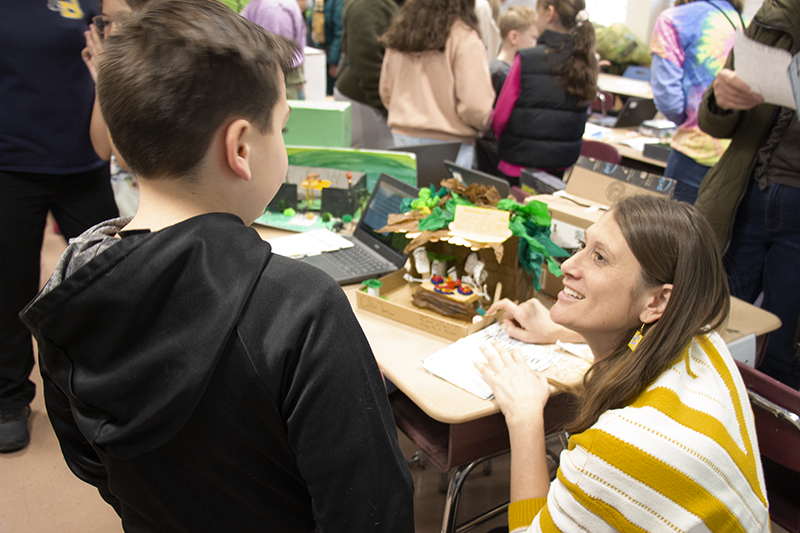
502,305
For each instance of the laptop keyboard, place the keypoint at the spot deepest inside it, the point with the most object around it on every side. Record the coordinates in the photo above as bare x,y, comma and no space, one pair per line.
356,261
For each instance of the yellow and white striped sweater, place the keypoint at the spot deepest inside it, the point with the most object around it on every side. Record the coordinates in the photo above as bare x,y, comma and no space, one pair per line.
682,457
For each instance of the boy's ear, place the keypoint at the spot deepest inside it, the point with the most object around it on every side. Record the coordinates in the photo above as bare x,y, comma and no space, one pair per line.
656,304
513,35
237,147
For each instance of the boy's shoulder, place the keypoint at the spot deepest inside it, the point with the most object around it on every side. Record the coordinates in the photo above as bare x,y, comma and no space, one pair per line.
498,65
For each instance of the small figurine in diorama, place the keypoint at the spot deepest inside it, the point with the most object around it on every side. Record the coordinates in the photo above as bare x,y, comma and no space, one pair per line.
373,287
475,272
310,184
422,263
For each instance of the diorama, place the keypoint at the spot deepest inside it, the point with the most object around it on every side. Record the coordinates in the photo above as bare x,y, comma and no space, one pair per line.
325,187
468,248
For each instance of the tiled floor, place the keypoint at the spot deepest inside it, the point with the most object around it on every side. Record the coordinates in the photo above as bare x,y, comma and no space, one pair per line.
38,494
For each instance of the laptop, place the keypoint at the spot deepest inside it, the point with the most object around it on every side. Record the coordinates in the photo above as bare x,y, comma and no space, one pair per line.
430,158
373,254
633,113
469,176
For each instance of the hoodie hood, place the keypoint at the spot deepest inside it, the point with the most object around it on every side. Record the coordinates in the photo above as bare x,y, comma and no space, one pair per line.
783,15
131,329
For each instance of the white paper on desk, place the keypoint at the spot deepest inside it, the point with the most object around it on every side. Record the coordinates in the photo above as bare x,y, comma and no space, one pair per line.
637,143
764,68
455,362
595,132
308,243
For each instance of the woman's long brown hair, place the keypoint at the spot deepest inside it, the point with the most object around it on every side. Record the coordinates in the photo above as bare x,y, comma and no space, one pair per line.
673,244
579,73
423,25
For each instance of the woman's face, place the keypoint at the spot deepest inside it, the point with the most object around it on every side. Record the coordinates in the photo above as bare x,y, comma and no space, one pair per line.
603,298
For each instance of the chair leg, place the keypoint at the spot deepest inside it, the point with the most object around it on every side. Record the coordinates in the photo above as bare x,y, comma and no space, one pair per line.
419,459
488,467
460,474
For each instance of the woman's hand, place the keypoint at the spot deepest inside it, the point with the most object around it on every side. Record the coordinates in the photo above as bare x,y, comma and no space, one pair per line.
520,392
530,322
94,49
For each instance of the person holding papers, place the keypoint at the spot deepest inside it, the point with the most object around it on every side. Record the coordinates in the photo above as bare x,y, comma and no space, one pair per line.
663,437
751,196
689,46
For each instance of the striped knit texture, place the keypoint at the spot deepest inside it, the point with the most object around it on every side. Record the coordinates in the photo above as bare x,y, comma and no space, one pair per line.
682,457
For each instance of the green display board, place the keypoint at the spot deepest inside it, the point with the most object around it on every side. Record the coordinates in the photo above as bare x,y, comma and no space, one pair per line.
373,163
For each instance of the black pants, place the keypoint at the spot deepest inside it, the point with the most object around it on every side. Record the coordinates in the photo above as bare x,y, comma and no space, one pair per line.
77,201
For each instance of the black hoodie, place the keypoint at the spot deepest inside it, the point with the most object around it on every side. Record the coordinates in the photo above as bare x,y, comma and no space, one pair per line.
203,384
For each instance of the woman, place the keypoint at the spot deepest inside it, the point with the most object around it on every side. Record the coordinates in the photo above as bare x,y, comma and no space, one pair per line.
690,44
663,437
435,80
541,112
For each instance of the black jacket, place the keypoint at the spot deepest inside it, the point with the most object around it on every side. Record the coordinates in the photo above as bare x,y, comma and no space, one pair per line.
203,384
546,126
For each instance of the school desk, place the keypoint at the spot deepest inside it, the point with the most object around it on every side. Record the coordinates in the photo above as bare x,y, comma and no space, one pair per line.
455,429
624,86
615,138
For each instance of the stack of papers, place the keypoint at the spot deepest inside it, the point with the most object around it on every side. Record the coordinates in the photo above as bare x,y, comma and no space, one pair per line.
455,362
767,70
309,243
596,133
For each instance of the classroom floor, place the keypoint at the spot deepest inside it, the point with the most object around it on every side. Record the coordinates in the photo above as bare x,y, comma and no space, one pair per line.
39,494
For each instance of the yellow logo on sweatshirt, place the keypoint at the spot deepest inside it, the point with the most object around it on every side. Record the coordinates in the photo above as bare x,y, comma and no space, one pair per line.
69,9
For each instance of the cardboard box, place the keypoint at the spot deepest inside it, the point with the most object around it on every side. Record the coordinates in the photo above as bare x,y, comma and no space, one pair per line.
593,185
605,183
395,303
323,124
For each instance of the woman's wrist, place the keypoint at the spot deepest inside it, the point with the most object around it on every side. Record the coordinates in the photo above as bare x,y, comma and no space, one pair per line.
526,423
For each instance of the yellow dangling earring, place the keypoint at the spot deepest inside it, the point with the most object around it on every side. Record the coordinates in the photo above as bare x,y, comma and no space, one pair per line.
637,338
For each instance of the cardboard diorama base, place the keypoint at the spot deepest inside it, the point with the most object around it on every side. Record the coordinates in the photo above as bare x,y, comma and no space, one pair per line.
395,303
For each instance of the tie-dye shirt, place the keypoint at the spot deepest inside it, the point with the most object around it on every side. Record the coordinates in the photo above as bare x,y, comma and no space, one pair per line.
690,45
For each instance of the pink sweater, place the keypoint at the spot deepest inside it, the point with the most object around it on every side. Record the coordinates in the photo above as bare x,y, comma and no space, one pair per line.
439,95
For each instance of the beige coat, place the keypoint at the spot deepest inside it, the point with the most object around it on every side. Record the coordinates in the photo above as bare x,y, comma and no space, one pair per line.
439,95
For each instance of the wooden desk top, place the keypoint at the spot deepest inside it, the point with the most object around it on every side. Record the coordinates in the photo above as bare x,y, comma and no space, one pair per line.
615,138
400,349
624,86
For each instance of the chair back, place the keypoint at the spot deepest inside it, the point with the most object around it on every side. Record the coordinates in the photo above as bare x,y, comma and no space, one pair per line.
603,102
602,151
776,411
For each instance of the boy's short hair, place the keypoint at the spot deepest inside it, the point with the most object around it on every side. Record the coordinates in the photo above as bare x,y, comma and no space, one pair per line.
176,72
516,18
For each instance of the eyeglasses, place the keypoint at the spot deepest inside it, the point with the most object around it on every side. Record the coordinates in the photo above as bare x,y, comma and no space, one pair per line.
103,22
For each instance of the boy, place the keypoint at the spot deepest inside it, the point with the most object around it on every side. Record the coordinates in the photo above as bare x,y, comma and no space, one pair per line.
517,31
217,394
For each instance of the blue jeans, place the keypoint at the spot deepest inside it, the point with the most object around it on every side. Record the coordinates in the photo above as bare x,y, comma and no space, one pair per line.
465,154
688,174
764,255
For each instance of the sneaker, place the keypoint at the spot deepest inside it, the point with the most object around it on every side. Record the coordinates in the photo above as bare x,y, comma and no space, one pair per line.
14,430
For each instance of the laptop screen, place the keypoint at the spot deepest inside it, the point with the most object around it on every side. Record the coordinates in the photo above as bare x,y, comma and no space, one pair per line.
385,199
